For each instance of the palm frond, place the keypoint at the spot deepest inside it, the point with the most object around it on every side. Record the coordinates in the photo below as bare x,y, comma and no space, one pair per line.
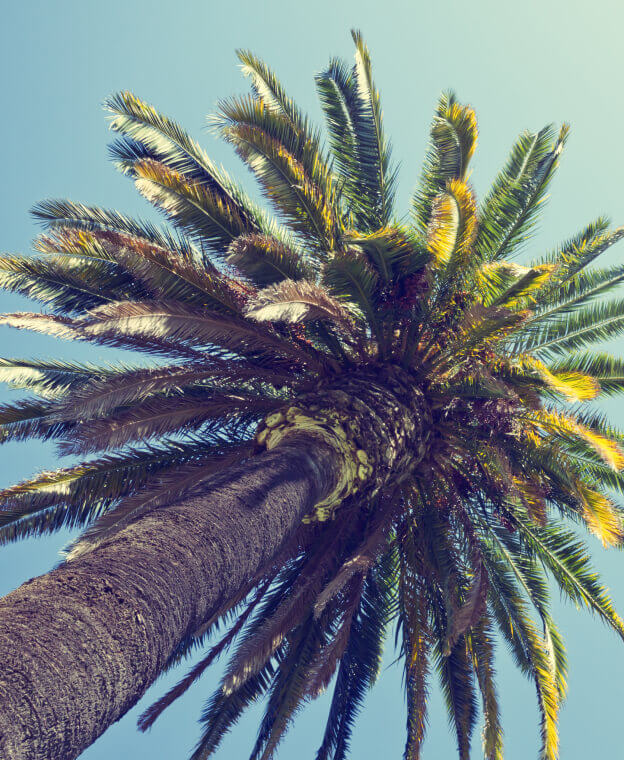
64,285
577,292
190,205
51,378
74,329
158,138
168,274
288,166
453,142
576,330
160,416
584,248
450,235
525,290
68,215
224,709
175,323
30,418
266,260
77,495
569,427
163,137
376,174
297,301
510,209
99,395
456,680
393,253
360,664
415,644
351,277
288,689
607,370
567,558
267,88
530,649
572,385
481,643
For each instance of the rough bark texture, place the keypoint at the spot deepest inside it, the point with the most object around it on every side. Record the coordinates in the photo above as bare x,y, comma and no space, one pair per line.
80,645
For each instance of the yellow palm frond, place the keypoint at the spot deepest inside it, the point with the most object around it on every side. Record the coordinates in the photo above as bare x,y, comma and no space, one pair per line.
455,133
522,292
464,119
600,515
548,693
453,224
575,386
567,426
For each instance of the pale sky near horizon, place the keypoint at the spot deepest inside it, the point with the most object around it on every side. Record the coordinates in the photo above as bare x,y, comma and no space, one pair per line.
520,65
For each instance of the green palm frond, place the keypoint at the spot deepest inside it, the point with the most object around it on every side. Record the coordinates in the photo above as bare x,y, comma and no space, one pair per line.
456,680
584,248
567,558
531,651
166,140
481,643
190,205
373,149
393,253
62,214
225,707
577,292
573,331
341,106
509,210
161,140
360,664
351,276
267,88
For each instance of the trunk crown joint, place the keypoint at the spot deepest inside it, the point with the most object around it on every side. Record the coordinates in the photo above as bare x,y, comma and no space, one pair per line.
375,423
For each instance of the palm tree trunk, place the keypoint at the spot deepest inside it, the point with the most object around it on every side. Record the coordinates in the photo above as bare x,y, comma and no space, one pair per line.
80,645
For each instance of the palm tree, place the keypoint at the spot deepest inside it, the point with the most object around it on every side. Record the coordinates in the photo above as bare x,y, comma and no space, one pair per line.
344,421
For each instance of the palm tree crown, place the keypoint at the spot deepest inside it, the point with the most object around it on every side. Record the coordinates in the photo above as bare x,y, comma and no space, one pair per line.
253,320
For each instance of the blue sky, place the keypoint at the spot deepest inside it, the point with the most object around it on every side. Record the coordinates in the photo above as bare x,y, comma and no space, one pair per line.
520,65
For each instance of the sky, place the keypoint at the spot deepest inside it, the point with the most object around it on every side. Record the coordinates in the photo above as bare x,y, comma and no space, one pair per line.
521,65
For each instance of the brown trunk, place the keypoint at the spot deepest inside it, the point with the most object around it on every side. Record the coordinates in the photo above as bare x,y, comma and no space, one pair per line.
80,645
